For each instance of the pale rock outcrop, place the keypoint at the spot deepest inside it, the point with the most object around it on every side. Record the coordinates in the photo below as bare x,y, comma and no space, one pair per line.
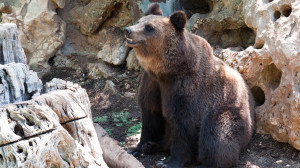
10,46
53,129
89,34
222,24
271,67
132,63
89,17
114,50
18,83
42,31
101,69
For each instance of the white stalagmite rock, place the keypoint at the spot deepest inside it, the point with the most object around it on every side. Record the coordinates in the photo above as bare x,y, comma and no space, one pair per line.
10,45
18,83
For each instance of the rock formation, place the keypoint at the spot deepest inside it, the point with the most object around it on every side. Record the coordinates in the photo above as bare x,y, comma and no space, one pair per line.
42,31
79,31
17,82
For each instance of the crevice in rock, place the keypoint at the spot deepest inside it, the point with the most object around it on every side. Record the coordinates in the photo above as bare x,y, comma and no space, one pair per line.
20,149
114,13
272,76
51,60
259,95
27,138
276,15
195,6
18,130
73,120
1,54
242,37
267,1
259,44
286,10
1,159
29,122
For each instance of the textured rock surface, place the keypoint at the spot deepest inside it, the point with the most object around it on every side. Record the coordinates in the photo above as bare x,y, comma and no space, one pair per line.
54,129
223,24
18,83
132,63
92,15
104,34
74,31
101,69
271,67
114,50
42,31
10,45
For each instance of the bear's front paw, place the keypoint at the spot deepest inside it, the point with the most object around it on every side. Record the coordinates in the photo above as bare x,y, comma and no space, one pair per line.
171,163
150,147
135,152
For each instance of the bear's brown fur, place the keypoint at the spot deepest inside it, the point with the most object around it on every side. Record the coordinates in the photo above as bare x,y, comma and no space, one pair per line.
193,105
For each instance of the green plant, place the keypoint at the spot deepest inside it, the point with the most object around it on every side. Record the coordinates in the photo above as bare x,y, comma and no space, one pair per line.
135,129
100,119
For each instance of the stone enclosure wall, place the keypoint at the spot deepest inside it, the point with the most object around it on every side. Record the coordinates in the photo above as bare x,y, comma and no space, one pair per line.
259,38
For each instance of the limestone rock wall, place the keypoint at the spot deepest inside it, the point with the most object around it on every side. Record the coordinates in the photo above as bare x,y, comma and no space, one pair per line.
73,31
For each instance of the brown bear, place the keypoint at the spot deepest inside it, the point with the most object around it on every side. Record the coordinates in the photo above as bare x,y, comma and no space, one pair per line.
193,105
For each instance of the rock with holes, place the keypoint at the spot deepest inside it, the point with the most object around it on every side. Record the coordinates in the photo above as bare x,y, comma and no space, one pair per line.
56,148
18,83
42,31
271,67
54,129
10,45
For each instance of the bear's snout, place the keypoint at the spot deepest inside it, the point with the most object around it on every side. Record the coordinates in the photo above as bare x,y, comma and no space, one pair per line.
127,31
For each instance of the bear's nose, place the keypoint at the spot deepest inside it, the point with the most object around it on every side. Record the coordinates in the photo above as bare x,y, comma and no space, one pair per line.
127,31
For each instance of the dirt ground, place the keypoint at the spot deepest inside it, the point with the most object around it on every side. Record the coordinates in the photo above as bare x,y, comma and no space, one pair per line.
120,116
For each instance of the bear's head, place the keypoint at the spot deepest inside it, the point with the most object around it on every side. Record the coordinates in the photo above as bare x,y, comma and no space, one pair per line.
158,41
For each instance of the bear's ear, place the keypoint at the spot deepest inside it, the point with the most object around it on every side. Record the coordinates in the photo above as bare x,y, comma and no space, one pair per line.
178,19
153,9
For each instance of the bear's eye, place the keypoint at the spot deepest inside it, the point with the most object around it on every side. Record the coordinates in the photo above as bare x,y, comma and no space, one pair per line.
149,29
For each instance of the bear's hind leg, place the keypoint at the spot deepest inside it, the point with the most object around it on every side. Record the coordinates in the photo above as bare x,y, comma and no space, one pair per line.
223,134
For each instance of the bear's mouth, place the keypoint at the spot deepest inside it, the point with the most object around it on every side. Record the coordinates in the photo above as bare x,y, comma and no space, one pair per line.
133,42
